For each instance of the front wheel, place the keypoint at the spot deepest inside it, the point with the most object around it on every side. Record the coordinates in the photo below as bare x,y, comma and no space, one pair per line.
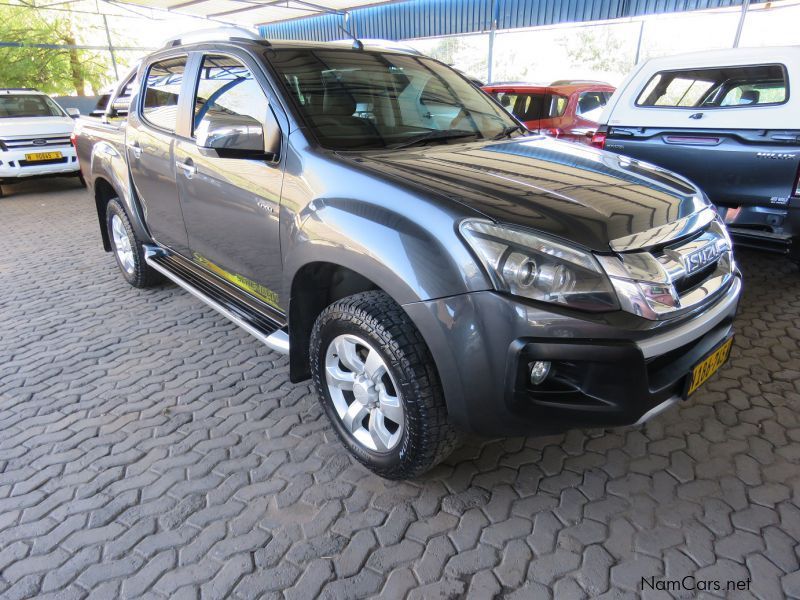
378,384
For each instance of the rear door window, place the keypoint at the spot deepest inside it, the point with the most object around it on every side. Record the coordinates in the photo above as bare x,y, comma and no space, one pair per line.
716,88
557,106
162,90
526,107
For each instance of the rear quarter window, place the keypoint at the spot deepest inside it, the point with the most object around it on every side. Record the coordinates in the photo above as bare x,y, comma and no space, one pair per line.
719,87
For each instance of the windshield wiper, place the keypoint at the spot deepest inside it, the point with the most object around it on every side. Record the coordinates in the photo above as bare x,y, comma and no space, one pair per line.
507,131
437,135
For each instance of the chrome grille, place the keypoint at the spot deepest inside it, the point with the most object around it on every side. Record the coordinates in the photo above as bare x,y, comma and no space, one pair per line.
676,277
35,142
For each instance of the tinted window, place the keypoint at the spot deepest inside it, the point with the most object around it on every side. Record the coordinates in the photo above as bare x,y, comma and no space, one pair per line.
591,104
227,86
162,88
558,104
526,107
28,105
719,87
765,92
381,99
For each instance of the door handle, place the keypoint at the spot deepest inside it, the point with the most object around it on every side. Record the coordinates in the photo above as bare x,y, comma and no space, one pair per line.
136,149
187,167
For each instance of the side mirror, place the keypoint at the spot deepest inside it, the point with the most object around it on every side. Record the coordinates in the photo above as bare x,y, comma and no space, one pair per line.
74,112
233,136
120,107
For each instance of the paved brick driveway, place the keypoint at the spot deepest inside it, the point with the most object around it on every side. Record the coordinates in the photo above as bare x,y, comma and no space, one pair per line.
150,448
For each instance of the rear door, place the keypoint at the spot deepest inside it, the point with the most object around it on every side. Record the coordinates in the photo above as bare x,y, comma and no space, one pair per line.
728,129
150,138
231,205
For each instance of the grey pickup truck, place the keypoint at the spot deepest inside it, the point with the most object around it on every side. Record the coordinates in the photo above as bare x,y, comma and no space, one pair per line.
411,247
729,120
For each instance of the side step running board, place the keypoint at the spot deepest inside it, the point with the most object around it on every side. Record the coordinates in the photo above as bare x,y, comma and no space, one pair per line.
256,324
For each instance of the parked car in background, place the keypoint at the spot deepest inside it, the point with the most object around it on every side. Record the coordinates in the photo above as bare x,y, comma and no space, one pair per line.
565,109
34,137
728,120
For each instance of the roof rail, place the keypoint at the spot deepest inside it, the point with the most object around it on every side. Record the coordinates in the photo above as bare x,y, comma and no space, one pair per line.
19,89
378,43
214,34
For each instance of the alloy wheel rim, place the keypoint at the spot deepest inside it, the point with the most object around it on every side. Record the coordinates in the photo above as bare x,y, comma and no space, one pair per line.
364,393
122,244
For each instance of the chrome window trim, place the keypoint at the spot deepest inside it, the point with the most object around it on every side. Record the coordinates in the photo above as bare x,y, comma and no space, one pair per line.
664,233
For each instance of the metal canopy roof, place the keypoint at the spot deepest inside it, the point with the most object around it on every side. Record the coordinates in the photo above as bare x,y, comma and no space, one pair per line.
251,12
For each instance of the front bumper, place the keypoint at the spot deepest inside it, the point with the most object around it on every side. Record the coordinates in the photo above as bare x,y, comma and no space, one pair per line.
608,370
14,165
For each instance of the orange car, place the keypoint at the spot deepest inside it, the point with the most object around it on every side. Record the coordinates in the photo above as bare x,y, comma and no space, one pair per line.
564,109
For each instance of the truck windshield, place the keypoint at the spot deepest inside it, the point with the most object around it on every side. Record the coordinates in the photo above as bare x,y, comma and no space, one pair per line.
355,100
28,105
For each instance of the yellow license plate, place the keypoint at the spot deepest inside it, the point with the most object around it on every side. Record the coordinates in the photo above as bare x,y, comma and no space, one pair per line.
42,156
709,366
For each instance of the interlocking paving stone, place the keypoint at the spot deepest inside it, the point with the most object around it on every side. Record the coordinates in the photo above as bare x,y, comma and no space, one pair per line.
151,449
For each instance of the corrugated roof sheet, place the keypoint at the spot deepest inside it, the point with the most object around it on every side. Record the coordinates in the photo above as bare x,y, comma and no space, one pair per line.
433,18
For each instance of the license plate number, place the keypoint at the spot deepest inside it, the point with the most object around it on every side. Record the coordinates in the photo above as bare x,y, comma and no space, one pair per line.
708,366
42,156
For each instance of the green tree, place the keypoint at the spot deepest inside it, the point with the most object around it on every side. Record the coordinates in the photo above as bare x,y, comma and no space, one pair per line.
598,49
51,70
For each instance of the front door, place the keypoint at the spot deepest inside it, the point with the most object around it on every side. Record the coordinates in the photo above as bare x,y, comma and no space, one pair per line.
231,205
150,146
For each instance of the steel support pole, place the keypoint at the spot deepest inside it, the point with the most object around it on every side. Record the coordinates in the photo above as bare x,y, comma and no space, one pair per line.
639,43
492,30
745,6
111,48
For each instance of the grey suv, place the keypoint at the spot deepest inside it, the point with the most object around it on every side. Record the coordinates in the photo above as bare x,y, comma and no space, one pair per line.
430,264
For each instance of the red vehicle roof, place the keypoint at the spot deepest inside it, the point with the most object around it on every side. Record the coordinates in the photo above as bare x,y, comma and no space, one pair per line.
533,88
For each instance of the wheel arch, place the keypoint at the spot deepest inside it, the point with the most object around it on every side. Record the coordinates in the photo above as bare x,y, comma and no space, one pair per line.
315,286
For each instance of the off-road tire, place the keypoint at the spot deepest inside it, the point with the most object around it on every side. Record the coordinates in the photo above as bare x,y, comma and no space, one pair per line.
428,437
142,275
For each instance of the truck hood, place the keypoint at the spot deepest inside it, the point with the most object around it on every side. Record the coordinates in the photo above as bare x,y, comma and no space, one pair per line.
579,194
26,127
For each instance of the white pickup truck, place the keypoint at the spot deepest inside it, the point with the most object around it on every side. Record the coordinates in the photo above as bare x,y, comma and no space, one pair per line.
34,137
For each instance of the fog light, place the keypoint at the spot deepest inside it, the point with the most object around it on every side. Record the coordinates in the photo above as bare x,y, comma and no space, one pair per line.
539,371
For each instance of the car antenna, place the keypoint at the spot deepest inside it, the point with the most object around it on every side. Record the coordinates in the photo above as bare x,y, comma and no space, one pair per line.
357,43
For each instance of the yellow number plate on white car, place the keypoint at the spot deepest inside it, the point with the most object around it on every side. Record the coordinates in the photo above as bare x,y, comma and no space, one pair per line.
42,156
708,366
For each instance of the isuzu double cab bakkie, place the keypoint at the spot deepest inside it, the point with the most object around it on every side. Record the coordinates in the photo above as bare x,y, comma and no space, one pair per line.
412,248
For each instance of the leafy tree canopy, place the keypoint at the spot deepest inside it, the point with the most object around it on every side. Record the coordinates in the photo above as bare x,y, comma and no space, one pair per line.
51,70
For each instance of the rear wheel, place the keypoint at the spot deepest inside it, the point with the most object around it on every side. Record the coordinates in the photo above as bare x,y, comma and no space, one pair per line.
378,384
128,249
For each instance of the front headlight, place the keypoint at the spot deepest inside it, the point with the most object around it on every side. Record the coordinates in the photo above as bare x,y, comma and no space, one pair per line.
525,264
